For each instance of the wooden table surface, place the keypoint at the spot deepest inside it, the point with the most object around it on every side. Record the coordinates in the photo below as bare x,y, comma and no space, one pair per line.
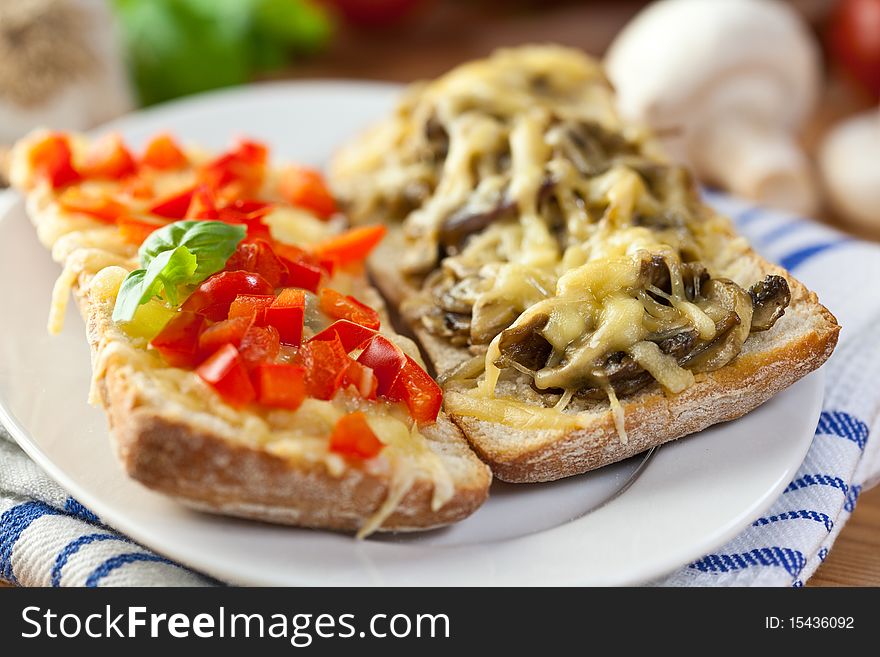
855,558
449,34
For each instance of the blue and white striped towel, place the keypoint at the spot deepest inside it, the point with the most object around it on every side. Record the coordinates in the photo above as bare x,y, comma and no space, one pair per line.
48,539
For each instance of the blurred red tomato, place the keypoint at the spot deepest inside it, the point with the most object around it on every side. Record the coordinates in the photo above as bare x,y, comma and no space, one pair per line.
854,38
374,13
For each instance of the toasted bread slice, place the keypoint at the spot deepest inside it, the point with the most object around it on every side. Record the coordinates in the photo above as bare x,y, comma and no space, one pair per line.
173,444
799,342
175,435
528,219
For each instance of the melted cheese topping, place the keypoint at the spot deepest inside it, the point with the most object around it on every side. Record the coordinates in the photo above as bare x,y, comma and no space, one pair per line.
663,367
512,412
80,261
570,203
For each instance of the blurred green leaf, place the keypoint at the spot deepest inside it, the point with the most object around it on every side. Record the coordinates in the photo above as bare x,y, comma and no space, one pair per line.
281,26
178,47
300,23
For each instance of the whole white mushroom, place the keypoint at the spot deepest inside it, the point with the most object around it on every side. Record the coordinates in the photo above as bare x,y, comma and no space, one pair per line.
727,84
849,159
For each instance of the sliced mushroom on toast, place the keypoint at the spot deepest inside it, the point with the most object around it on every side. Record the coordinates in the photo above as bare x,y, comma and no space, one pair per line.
579,301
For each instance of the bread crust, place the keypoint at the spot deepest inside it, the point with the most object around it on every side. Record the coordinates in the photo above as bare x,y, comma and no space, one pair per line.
800,342
206,472
653,418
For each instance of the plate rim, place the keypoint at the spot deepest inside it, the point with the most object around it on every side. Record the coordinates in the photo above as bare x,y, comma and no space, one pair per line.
637,577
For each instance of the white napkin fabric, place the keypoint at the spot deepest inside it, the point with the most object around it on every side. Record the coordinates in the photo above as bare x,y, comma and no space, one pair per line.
787,543
48,539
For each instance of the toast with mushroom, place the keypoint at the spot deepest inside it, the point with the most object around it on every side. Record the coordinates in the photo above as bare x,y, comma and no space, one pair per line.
579,302
245,364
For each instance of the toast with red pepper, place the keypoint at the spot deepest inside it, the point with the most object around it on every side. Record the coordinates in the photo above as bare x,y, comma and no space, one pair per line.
578,300
245,364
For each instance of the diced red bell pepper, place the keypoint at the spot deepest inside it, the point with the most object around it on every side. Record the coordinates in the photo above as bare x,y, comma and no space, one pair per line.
225,372
292,252
52,160
305,188
351,335
109,158
229,331
336,306
418,391
258,257
385,358
286,314
251,152
203,204
97,206
352,436
281,385
215,295
249,208
296,254
162,152
327,264
362,378
352,246
134,230
139,187
260,344
302,274
326,363
256,229
243,211
174,206
178,341
251,305
244,165
249,213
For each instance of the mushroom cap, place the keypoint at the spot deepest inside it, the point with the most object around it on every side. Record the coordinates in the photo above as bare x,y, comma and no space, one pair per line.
849,159
680,62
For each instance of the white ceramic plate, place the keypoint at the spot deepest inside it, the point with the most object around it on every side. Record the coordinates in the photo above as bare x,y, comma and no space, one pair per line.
627,523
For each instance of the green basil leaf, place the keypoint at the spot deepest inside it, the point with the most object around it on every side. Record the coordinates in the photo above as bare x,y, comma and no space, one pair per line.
165,272
163,275
180,254
212,242
129,297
